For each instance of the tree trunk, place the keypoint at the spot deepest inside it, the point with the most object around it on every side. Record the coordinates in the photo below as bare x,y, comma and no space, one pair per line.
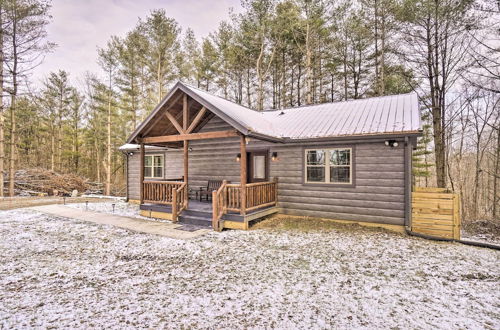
108,144
382,55
52,150
377,73
2,118
299,74
496,174
249,98
260,78
98,161
158,77
12,156
308,65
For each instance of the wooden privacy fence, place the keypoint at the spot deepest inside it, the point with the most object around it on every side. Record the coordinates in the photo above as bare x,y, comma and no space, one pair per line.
435,212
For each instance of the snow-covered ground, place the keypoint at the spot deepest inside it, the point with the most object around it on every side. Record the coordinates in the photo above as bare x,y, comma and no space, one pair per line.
60,273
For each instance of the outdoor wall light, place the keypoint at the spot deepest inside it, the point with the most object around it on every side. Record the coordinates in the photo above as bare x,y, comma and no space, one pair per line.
190,149
238,157
274,156
130,153
391,143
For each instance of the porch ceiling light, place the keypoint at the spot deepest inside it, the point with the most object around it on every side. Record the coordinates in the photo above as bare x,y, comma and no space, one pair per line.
238,157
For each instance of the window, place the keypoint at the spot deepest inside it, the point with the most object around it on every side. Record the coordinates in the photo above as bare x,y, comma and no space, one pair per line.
328,166
153,166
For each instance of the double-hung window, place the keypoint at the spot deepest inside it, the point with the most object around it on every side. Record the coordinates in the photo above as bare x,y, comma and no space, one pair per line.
153,166
332,165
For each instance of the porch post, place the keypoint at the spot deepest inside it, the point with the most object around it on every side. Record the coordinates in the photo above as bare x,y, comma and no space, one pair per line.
141,171
243,174
185,124
186,172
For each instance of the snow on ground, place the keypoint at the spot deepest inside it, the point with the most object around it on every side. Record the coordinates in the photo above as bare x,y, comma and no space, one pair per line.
120,208
56,272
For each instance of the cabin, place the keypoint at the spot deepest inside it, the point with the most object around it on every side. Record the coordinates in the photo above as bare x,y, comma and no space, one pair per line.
201,159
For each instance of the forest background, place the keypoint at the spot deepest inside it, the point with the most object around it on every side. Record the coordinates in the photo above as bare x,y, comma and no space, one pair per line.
273,54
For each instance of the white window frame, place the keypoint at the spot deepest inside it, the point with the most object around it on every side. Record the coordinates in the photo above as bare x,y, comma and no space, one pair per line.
153,167
327,166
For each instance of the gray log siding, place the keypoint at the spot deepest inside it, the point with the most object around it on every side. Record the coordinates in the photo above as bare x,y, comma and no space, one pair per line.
377,195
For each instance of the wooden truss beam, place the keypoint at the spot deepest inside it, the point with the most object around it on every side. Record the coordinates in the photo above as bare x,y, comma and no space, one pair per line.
185,114
174,122
188,137
153,124
196,120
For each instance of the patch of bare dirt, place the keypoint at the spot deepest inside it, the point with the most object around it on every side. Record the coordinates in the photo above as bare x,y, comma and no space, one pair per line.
309,224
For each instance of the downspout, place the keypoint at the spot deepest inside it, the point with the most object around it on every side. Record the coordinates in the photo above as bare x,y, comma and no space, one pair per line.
407,182
126,172
408,192
125,154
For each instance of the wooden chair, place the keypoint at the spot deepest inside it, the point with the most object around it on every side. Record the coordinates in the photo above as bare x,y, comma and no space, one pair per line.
212,185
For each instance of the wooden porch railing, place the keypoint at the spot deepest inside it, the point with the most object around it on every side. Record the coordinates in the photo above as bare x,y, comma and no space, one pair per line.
219,205
179,200
160,192
261,194
233,197
228,198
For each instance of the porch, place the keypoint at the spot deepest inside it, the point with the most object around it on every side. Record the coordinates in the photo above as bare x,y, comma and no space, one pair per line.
180,125
201,214
170,199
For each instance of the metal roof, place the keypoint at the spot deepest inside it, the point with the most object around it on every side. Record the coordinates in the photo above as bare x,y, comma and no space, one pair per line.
395,114
378,115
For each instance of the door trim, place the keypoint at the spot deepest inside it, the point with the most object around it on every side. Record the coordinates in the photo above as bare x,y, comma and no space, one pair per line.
257,152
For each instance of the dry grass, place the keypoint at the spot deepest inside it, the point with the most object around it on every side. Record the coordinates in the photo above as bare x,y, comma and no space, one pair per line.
20,202
310,224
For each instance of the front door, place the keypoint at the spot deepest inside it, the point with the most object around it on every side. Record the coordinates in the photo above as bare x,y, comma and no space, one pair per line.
258,166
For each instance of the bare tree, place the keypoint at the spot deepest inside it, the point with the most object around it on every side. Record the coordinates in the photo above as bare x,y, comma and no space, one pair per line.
26,37
108,61
437,40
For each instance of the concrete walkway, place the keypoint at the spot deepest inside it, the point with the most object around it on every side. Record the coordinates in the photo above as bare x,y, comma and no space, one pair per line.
134,224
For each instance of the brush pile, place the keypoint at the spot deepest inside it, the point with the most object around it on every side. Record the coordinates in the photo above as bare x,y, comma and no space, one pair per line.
39,181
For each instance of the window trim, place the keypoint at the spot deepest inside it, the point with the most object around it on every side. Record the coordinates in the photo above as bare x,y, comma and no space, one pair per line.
327,148
152,166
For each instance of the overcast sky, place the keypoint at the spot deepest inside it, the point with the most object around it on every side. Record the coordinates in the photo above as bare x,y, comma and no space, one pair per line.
80,26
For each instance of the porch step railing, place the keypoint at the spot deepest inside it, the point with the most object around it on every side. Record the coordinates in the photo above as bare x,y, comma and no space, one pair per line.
160,192
219,205
228,198
179,200
234,197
